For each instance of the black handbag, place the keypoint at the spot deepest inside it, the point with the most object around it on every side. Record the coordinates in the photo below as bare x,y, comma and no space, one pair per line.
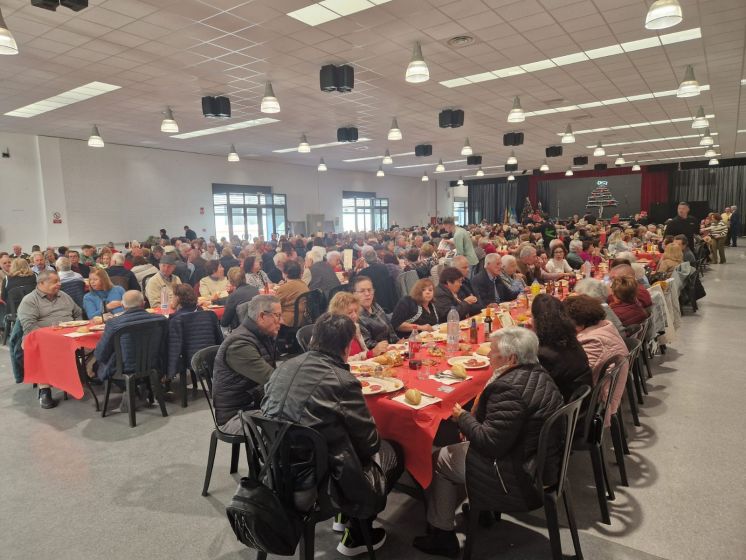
258,516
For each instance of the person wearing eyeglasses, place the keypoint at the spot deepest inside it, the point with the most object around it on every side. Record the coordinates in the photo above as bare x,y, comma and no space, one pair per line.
375,326
244,362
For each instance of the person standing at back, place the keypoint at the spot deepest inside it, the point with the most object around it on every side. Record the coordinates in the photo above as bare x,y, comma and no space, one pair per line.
683,224
735,226
462,242
189,233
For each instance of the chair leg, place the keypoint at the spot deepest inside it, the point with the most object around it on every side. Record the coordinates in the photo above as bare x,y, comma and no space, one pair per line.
183,388
210,463
616,436
598,476
637,373
106,397
235,453
157,389
625,447
567,499
607,480
647,363
129,393
261,555
306,545
550,510
471,533
631,397
195,385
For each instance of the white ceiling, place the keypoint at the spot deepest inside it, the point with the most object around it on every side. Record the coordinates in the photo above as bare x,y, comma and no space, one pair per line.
172,52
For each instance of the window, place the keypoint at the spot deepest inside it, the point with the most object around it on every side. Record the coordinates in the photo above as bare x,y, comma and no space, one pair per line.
248,212
461,211
365,213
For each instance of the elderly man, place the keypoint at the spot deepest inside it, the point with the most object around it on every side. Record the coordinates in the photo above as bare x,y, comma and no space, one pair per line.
89,255
573,257
317,390
4,266
462,242
379,275
18,253
156,254
488,286
599,291
118,270
466,292
323,276
39,263
76,266
44,307
502,435
735,227
528,265
246,359
164,279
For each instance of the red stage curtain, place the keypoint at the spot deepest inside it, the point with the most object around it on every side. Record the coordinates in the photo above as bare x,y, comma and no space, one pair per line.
653,189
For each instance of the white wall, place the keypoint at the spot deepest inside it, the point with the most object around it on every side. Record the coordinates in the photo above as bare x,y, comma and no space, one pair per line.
124,192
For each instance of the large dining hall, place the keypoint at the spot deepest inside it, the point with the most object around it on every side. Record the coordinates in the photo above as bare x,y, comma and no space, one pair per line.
394,279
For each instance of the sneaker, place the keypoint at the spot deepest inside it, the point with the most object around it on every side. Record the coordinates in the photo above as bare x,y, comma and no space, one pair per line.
353,545
438,543
340,523
45,399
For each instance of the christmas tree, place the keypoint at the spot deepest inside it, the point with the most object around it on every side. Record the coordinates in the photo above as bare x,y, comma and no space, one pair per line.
601,197
527,211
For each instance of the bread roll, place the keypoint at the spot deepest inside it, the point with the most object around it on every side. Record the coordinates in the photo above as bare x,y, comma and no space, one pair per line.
413,396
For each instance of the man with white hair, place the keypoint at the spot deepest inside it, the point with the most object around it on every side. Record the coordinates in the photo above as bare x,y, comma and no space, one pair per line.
735,227
573,258
120,275
487,285
528,265
39,263
323,276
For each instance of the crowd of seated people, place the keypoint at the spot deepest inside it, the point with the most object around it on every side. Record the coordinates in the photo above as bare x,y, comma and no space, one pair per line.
463,268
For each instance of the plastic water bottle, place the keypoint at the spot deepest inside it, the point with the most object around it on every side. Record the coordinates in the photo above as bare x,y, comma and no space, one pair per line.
164,299
453,334
587,268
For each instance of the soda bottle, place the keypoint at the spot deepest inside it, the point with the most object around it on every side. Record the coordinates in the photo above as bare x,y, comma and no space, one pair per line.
414,344
473,332
487,322
535,288
453,333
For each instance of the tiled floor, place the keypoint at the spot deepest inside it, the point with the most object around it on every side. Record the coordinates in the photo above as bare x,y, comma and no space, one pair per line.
74,485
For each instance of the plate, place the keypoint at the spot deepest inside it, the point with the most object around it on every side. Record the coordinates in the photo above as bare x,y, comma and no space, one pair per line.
98,327
401,348
367,367
433,336
377,385
470,362
65,324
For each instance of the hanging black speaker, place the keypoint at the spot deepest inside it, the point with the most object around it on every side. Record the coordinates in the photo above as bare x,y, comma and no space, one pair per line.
451,118
457,118
511,167
513,139
74,5
344,78
600,166
553,151
326,78
223,107
423,150
347,134
474,160
444,118
580,160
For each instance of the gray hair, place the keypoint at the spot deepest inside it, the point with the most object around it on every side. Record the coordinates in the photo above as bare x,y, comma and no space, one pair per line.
507,260
576,245
62,264
316,254
45,275
594,288
334,255
132,299
517,341
527,250
279,258
555,243
733,208
491,257
459,258
627,255
260,304
33,255
117,259
370,255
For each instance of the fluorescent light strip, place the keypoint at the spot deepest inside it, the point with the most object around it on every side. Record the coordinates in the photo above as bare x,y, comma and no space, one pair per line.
327,145
429,165
606,102
573,58
686,136
633,125
377,157
674,158
225,128
329,10
667,150
69,97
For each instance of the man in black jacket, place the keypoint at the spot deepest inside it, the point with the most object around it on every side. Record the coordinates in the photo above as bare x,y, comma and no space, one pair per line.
117,270
683,224
317,390
381,278
244,363
467,292
487,285
76,266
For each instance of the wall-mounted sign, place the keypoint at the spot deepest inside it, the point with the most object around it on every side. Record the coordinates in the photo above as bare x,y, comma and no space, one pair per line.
56,218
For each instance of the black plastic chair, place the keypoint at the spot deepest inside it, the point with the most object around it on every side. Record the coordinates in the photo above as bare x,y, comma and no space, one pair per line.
122,281
642,336
15,295
145,352
75,288
593,433
341,288
303,336
635,383
301,450
203,363
564,422
144,284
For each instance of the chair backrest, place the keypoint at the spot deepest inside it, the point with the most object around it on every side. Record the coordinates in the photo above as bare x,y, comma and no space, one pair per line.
309,306
15,295
405,281
435,273
300,460
75,289
303,336
145,280
198,330
140,347
341,288
242,311
634,345
122,281
601,399
203,362
560,424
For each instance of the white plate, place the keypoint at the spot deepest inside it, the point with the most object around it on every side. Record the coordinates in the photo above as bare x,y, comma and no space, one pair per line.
376,385
433,336
483,362
426,401
65,324
367,367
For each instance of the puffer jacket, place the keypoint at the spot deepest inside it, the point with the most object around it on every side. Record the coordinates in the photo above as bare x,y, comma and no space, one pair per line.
188,333
503,438
318,391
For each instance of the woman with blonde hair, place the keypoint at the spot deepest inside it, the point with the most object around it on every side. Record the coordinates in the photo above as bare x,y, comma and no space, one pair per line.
345,303
104,296
672,257
417,310
20,275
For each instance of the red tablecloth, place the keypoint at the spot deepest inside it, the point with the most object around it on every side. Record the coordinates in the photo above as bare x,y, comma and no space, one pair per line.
49,356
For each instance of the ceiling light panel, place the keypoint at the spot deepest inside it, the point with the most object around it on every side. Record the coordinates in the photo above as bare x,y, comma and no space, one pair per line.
329,10
674,158
431,164
64,99
315,146
633,125
668,150
685,137
376,157
574,58
225,128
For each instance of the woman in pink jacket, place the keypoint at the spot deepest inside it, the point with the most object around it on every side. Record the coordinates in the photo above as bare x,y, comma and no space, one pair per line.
600,340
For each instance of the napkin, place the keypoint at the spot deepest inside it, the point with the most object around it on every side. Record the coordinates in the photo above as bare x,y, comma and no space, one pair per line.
426,401
77,334
448,380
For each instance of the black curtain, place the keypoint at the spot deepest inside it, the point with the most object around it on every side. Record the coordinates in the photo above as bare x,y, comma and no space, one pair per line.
719,186
542,192
489,200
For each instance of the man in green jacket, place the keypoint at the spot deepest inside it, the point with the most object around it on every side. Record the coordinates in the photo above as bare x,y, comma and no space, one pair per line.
463,243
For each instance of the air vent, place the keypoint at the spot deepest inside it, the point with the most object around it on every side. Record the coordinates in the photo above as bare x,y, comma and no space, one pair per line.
460,41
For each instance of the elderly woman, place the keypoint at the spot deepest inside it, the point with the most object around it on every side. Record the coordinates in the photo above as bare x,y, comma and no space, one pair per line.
672,257
446,294
502,434
227,258
600,291
624,301
289,291
215,284
559,350
184,300
558,265
374,325
255,276
345,303
601,341
104,296
511,281
416,311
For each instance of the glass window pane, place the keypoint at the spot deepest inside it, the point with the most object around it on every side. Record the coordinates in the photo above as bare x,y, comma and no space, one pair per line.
221,209
238,225
280,221
252,223
221,226
252,199
280,199
219,198
235,198
348,202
